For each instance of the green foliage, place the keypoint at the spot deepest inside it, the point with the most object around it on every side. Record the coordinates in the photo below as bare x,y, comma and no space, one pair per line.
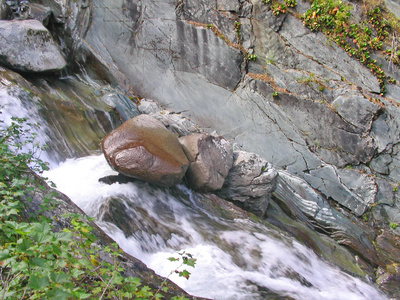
393,225
274,94
251,57
186,259
237,29
333,19
38,262
278,8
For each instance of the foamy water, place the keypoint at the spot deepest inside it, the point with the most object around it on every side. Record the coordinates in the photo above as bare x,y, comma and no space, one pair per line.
236,259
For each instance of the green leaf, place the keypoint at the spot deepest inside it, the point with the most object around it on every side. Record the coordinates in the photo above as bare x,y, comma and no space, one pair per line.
60,277
83,295
38,262
185,274
173,259
58,294
43,227
4,254
62,236
38,283
189,261
76,272
42,237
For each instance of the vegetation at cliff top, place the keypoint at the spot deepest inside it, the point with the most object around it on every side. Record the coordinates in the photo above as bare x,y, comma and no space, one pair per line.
377,30
39,262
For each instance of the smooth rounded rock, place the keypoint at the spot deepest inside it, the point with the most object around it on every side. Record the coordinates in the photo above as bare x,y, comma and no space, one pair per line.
144,149
210,157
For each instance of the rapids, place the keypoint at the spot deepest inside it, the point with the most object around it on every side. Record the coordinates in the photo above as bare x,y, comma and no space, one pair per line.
236,258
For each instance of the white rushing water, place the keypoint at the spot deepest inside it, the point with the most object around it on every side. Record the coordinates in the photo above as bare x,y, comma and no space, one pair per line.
236,259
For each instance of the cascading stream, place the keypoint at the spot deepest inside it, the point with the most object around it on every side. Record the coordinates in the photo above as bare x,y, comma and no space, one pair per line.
236,258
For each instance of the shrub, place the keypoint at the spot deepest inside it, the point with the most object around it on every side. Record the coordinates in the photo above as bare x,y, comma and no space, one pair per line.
38,262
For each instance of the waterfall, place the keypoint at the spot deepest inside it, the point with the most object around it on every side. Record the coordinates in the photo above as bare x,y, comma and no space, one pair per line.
237,258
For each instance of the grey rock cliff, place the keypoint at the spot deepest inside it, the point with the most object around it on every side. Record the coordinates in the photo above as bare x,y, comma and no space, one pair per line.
171,53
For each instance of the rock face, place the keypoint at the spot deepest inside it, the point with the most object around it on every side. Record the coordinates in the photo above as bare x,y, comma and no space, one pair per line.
302,103
144,149
250,182
29,47
210,157
174,122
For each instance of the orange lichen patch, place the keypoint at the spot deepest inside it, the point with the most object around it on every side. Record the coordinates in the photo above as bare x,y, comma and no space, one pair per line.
263,77
270,80
238,46
380,103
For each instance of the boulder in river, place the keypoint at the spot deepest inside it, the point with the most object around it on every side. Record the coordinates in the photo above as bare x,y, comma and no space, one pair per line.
27,46
144,149
250,182
210,157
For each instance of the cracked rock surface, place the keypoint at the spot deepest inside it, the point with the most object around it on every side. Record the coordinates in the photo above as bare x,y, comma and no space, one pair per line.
250,182
210,158
326,115
33,51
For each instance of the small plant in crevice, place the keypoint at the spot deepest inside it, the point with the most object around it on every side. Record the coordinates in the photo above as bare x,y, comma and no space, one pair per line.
251,56
237,26
393,225
278,7
274,94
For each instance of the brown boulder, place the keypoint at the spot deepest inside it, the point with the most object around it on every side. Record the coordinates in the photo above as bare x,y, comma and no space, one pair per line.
144,149
210,157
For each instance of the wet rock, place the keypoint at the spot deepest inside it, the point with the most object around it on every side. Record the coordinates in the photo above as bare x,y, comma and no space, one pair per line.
59,9
125,107
389,281
5,11
250,182
144,149
385,193
210,157
29,47
40,13
305,205
381,163
388,246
